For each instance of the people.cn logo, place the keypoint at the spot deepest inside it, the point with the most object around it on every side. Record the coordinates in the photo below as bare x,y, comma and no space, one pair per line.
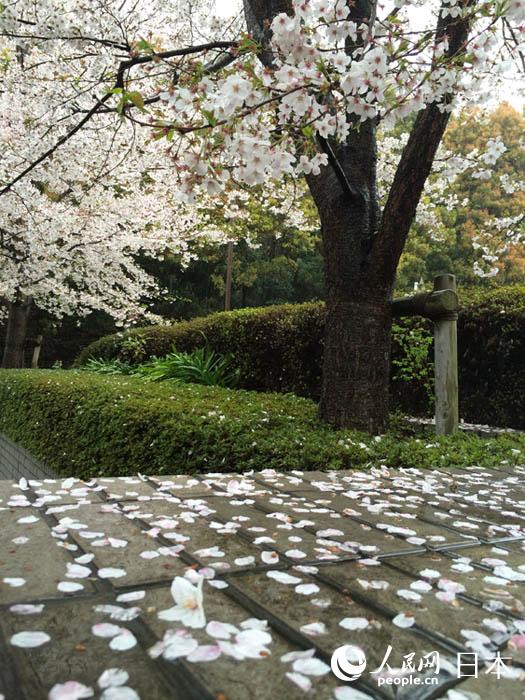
348,662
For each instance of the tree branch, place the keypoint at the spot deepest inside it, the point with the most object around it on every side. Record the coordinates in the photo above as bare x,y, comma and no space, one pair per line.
418,155
53,148
119,83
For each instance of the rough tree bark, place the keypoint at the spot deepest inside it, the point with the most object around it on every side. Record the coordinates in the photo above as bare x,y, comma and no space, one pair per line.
16,331
362,247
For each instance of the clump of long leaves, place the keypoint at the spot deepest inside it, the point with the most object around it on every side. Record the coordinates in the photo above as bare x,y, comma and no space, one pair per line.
202,366
101,366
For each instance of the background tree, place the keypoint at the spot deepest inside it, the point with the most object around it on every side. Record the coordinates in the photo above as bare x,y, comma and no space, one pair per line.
475,208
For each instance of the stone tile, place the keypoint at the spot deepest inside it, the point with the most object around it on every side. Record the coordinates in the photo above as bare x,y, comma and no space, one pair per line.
487,555
181,486
126,488
429,612
235,486
509,598
40,560
285,481
472,521
75,653
128,543
285,533
359,537
401,522
299,610
70,491
262,678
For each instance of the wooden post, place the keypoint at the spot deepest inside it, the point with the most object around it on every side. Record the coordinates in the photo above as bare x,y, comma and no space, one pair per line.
228,289
36,352
446,363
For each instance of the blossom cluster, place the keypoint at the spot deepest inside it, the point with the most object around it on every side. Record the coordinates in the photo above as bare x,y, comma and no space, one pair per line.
328,74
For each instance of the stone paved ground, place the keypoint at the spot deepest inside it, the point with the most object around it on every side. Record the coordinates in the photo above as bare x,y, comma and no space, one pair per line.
238,587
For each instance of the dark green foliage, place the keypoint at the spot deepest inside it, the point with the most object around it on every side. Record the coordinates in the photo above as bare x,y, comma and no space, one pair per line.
202,366
276,348
61,338
86,424
280,348
109,366
491,346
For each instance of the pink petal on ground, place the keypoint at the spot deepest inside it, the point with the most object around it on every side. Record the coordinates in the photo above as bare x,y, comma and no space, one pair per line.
20,540
244,561
254,623
131,596
270,557
283,577
307,589
403,620
314,629
295,554
354,623
121,692
303,682
220,630
69,587
123,641
29,640
78,571
218,584
106,630
294,655
72,690
177,646
517,641
113,676
14,582
253,637
149,554
110,572
310,666
206,652
28,520
26,609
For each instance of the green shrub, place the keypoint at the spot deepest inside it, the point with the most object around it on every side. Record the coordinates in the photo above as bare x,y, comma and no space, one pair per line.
108,366
202,366
277,348
87,424
411,366
280,348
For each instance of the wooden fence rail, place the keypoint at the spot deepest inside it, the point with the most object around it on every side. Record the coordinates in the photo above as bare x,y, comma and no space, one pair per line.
441,306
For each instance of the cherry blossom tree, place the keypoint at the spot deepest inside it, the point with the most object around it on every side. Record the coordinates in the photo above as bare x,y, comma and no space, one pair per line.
69,244
300,89
71,233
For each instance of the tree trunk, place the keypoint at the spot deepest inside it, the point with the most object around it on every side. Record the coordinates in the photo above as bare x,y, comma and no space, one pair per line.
357,364
358,293
229,274
17,321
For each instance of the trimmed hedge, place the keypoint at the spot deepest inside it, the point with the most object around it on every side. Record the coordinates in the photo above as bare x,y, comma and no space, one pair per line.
280,348
277,348
85,424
